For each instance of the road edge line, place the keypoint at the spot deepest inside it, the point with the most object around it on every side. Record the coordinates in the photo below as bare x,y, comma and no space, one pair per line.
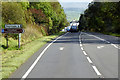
96,70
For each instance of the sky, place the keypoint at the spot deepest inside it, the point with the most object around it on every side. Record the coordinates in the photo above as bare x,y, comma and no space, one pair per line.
75,1
73,8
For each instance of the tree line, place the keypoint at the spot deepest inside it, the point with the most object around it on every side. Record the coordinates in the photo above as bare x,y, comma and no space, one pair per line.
101,17
50,15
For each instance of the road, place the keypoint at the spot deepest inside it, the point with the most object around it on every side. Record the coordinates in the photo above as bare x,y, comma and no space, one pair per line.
74,55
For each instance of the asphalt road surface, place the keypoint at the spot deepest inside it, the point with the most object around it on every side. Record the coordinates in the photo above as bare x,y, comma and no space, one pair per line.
74,55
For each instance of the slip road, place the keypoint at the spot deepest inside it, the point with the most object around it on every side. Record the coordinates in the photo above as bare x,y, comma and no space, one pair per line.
74,55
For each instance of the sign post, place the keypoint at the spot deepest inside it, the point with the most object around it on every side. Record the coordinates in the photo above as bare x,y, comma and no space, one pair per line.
15,29
6,40
19,38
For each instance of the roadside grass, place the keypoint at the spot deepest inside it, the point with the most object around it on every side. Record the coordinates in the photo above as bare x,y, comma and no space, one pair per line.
12,59
113,34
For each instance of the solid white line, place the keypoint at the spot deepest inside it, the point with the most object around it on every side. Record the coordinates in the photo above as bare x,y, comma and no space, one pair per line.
89,60
38,58
82,48
84,53
96,70
114,45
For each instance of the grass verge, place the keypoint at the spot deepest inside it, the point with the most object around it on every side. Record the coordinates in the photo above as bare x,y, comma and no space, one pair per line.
113,34
13,59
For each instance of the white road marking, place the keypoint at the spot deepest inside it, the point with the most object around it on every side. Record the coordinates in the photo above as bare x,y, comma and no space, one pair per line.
38,58
99,47
84,53
103,40
96,70
61,48
82,48
107,41
89,60
114,45
80,42
80,45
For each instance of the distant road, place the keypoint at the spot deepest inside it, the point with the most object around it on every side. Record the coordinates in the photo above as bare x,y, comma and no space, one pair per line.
74,55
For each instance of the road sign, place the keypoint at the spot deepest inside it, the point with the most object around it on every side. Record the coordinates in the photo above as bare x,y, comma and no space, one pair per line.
2,30
12,30
13,26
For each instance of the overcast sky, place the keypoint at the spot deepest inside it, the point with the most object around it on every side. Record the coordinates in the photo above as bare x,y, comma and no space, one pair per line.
75,3
80,5
75,0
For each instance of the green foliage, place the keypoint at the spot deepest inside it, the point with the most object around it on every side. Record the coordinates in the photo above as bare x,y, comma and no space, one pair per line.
12,13
49,13
50,24
43,31
25,5
28,16
101,17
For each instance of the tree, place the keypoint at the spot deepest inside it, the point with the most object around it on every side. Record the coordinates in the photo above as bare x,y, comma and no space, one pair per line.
12,13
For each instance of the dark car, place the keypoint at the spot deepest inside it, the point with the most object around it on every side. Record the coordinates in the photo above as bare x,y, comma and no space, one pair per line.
74,29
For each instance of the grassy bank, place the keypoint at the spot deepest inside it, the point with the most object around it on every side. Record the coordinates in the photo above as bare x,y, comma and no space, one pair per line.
113,34
13,58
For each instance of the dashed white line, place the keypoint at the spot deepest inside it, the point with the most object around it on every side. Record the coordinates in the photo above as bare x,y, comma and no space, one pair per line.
38,58
99,47
96,70
61,48
80,45
80,42
107,41
82,48
84,53
90,61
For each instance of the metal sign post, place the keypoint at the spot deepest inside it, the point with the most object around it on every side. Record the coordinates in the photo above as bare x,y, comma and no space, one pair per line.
6,40
19,38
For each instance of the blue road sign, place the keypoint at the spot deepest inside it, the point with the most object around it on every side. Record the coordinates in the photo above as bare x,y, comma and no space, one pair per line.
2,30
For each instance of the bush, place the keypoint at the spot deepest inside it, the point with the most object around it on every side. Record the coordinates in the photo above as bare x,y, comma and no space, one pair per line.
12,13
